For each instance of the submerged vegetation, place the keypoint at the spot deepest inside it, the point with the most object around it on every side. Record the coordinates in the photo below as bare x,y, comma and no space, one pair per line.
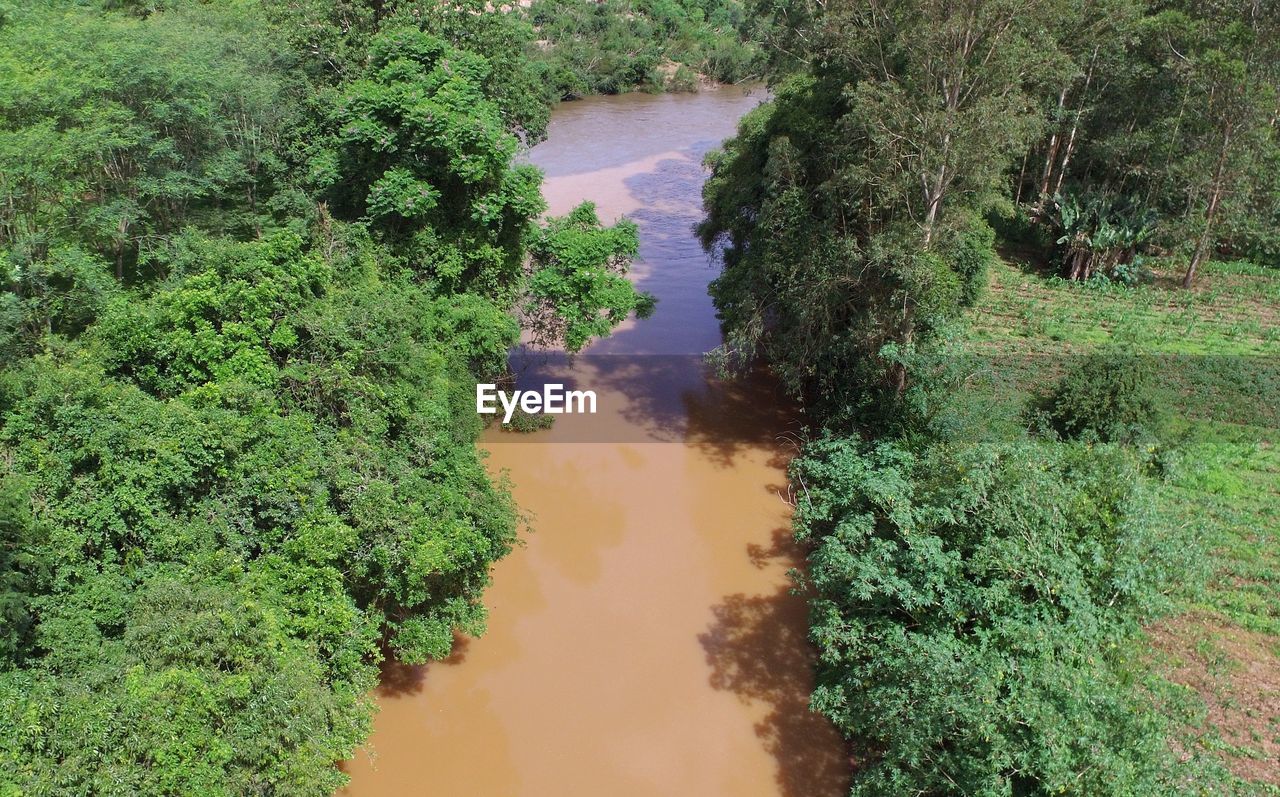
254,262
1004,494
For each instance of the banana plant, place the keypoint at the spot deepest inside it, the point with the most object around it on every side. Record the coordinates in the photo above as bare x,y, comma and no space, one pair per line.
1098,232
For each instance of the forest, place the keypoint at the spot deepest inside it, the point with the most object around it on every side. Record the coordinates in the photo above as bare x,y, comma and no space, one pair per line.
256,257
1016,261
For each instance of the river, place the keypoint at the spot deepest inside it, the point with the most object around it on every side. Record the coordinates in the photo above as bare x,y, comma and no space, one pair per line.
644,640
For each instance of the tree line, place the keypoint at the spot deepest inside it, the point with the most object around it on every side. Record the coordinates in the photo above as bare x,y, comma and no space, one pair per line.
255,258
978,574
585,47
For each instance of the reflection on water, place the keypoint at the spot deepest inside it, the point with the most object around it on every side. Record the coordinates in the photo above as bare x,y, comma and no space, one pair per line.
659,398
756,649
645,641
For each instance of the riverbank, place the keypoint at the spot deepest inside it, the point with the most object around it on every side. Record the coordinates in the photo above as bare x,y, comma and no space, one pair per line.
645,639
586,48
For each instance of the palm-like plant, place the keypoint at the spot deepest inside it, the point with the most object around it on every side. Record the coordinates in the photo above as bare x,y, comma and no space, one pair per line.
1099,232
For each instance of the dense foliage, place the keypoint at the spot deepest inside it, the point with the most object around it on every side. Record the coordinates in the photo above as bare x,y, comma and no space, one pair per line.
853,204
1159,130
253,266
968,605
979,568
331,42
1108,397
580,291
607,47
116,133
824,264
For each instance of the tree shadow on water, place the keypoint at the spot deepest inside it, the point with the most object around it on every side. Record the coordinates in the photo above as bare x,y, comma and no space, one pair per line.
748,411
782,546
757,649
397,679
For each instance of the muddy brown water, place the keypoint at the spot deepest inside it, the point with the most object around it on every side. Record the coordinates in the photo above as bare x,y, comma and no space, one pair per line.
644,640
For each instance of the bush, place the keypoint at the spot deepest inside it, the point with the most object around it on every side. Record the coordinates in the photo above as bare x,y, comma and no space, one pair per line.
971,251
1107,397
683,79
973,610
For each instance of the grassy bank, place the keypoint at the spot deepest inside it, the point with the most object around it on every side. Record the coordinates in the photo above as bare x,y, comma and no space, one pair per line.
1222,648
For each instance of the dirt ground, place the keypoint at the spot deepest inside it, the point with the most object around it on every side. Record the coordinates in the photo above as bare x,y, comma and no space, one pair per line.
1237,675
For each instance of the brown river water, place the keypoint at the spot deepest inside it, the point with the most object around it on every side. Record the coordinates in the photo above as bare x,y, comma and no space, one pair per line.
644,641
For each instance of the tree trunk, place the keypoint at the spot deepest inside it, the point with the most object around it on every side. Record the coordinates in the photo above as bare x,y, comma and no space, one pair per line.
1075,126
934,198
1215,199
1022,179
1052,154
1077,266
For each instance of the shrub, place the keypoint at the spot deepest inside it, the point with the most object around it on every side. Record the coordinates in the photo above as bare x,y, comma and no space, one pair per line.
971,251
972,609
1107,397
683,79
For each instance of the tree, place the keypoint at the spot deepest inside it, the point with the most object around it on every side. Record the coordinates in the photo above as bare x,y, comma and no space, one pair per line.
938,92
331,41
851,205
970,601
1226,62
420,150
422,153
578,289
1095,41
239,473
115,132
1173,120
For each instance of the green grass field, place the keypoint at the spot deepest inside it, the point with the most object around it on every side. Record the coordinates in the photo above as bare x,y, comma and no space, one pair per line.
1220,345
1234,310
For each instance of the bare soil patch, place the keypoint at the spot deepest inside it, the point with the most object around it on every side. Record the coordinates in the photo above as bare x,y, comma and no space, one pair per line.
1236,673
